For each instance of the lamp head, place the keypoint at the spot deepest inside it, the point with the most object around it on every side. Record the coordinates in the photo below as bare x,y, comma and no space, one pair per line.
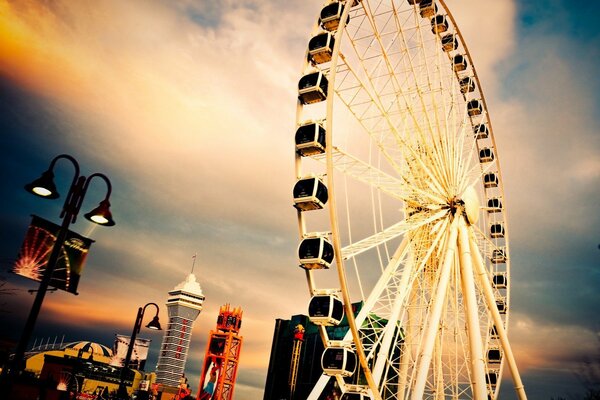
154,324
101,215
44,186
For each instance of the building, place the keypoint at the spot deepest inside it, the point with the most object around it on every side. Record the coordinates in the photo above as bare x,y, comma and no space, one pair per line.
184,305
295,361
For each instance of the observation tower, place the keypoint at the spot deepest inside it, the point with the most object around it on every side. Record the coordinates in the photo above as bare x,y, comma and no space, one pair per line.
184,305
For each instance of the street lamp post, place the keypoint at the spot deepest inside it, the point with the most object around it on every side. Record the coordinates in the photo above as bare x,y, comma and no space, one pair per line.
45,187
154,324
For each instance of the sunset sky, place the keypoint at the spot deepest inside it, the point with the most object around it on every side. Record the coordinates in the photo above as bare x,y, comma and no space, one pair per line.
189,107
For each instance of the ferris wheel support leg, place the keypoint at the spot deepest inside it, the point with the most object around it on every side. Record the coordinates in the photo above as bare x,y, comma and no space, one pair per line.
485,283
392,326
435,314
474,330
319,387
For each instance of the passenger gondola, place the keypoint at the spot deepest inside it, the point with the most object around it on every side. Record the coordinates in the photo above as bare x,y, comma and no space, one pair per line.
491,378
467,85
310,139
439,24
320,48
427,8
449,42
501,304
312,88
494,205
338,361
486,155
494,355
490,180
326,310
500,280
459,63
498,256
481,131
497,230
474,108
493,332
315,253
310,194
331,15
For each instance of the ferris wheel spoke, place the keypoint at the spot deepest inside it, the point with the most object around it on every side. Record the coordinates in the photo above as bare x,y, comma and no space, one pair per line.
390,233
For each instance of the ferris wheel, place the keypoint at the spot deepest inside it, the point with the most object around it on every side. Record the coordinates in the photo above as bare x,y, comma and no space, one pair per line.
401,211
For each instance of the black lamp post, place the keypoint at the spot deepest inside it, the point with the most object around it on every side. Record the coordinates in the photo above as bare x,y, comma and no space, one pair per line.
154,324
44,187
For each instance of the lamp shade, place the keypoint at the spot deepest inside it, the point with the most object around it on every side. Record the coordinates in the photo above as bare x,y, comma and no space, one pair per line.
44,186
101,215
154,324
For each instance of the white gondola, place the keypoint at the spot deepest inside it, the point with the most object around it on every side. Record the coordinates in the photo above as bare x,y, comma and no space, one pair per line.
494,204
312,88
491,378
459,63
354,396
315,253
320,48
474,107
493,332
501,304
490,180
494,355
439,24
500,280
481,131
338,361
427,8
486,155
310,194
498,256
467,85
330,16
310,139
497,230
326,309
449,42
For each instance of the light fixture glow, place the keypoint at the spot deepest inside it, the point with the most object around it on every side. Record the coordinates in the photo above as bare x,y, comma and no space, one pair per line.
41,191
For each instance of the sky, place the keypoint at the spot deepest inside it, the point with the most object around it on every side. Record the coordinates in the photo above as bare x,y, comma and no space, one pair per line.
189,108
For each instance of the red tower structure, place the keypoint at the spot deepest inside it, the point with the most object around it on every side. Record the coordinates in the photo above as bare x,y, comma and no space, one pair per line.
219,371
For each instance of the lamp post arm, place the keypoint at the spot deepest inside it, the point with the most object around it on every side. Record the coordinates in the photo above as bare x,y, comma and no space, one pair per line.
83,185
150,304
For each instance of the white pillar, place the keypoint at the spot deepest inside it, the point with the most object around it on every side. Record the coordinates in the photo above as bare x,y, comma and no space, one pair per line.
471,311
433,321
485,282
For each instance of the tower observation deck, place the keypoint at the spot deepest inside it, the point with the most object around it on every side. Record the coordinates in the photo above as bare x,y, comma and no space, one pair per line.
184,305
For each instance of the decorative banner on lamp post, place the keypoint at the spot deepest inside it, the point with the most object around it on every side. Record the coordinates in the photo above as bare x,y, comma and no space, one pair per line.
138,355
35,252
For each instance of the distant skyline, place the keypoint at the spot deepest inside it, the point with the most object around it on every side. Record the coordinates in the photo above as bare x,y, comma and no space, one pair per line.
189,108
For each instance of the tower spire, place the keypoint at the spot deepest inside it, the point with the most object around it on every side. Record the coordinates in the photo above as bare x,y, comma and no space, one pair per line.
193,262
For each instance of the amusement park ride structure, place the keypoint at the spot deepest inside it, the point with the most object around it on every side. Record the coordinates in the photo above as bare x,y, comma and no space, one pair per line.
401,206
219,372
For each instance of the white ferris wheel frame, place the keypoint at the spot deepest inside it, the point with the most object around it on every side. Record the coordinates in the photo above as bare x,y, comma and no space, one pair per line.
461,243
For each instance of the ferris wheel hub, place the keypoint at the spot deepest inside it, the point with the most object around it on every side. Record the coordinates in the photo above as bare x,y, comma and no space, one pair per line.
471,204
